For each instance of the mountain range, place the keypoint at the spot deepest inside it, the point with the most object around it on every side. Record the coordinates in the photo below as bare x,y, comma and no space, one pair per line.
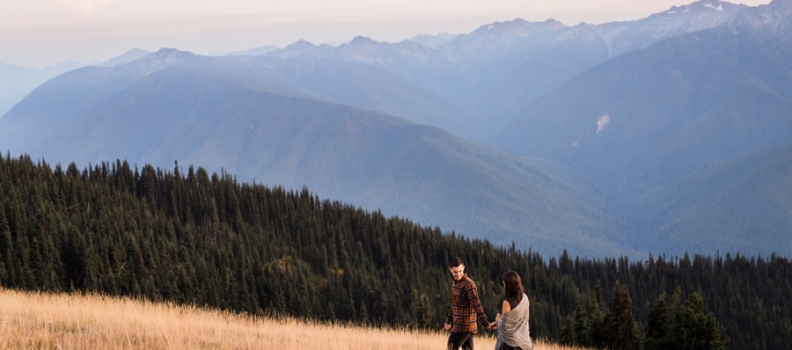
663,135
498,68
651,118
197,110
18,82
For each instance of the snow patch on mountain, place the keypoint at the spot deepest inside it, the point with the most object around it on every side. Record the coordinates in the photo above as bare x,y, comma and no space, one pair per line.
602,122
719,7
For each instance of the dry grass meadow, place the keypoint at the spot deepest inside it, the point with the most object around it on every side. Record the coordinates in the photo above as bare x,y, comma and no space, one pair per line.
64,321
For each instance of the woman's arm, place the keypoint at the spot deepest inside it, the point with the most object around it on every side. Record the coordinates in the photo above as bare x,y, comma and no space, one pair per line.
504,309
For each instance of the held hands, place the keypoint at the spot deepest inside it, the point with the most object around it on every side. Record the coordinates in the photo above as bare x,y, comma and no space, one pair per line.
494,325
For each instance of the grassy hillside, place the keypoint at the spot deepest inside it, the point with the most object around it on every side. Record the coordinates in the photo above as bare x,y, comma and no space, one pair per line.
63,321
198,240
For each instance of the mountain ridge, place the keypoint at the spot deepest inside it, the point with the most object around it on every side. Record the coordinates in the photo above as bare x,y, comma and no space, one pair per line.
600,139
198,116
643,121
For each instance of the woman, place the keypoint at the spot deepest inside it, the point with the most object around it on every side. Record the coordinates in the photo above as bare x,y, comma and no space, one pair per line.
512,324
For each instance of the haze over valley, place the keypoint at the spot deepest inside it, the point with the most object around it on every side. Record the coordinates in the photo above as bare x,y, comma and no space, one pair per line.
664,135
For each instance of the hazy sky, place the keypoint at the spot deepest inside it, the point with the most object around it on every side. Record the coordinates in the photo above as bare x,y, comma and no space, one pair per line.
40,32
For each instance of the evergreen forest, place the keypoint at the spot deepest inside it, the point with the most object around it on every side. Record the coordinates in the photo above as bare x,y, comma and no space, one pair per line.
194,238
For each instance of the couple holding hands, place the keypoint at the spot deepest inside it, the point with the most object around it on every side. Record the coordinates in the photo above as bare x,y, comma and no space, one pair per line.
511,323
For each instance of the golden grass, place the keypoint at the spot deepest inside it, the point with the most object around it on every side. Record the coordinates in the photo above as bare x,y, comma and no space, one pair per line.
63,321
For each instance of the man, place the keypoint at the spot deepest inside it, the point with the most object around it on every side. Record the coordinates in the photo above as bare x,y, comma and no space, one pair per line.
465,306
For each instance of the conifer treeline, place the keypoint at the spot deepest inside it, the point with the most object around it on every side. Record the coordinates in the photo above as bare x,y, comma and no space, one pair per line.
208,240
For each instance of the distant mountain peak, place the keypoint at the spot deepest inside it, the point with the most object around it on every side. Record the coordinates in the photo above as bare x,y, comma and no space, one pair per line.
165,50
127,57
554,23
161,59
137,51
700,15
702,5
714,4
255,51
775,17
168,55
362,40
298,48
300,44
520,25
432,41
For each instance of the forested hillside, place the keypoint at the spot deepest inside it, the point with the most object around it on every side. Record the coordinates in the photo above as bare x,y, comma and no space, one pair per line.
196,238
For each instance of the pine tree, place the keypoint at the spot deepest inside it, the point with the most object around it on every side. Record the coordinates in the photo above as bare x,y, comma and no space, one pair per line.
659,325
424,314
595,320
580,325
703,329
682,327
619,328
6,244
568,332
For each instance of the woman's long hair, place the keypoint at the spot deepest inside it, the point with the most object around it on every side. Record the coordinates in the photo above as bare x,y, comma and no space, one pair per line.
513,285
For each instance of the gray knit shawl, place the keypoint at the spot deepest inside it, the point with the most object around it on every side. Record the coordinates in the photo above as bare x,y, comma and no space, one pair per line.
513,327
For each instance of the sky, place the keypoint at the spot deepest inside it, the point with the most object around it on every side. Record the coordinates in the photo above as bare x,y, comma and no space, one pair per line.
37,33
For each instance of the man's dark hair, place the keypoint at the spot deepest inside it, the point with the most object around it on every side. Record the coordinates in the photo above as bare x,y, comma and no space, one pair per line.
455,262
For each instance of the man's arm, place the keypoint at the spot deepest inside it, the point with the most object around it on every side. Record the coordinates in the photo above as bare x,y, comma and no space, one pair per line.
450,316
476,303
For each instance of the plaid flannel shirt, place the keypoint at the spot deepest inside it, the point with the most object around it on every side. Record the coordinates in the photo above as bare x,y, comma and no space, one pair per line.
465,306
